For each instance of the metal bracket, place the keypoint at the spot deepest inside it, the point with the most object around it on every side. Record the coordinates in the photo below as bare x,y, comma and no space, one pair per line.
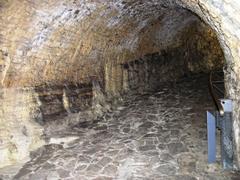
227,105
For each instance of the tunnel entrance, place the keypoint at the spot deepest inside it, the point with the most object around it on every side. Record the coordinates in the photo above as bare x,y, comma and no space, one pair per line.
137,113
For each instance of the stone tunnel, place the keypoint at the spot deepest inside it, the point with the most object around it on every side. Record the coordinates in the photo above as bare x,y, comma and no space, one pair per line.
114,89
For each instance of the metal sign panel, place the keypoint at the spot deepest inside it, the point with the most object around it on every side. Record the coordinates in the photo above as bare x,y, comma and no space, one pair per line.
211,129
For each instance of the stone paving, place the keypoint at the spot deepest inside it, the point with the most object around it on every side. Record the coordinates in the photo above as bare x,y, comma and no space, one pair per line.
160,135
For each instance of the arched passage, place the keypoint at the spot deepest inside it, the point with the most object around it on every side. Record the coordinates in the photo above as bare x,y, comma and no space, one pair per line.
60,58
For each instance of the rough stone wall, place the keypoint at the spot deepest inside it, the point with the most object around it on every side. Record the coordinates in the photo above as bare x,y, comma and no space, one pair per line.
199,51
58,101
19,133
73,42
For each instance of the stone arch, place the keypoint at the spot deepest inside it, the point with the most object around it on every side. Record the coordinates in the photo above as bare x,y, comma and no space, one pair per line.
51,43
219,16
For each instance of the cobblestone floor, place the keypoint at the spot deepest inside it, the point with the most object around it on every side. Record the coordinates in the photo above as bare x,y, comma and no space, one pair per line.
159,135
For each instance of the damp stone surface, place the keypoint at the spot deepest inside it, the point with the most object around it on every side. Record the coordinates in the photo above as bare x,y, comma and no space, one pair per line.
155,135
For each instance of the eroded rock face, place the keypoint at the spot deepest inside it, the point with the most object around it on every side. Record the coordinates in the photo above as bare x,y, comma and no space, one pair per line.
19,132
61,45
